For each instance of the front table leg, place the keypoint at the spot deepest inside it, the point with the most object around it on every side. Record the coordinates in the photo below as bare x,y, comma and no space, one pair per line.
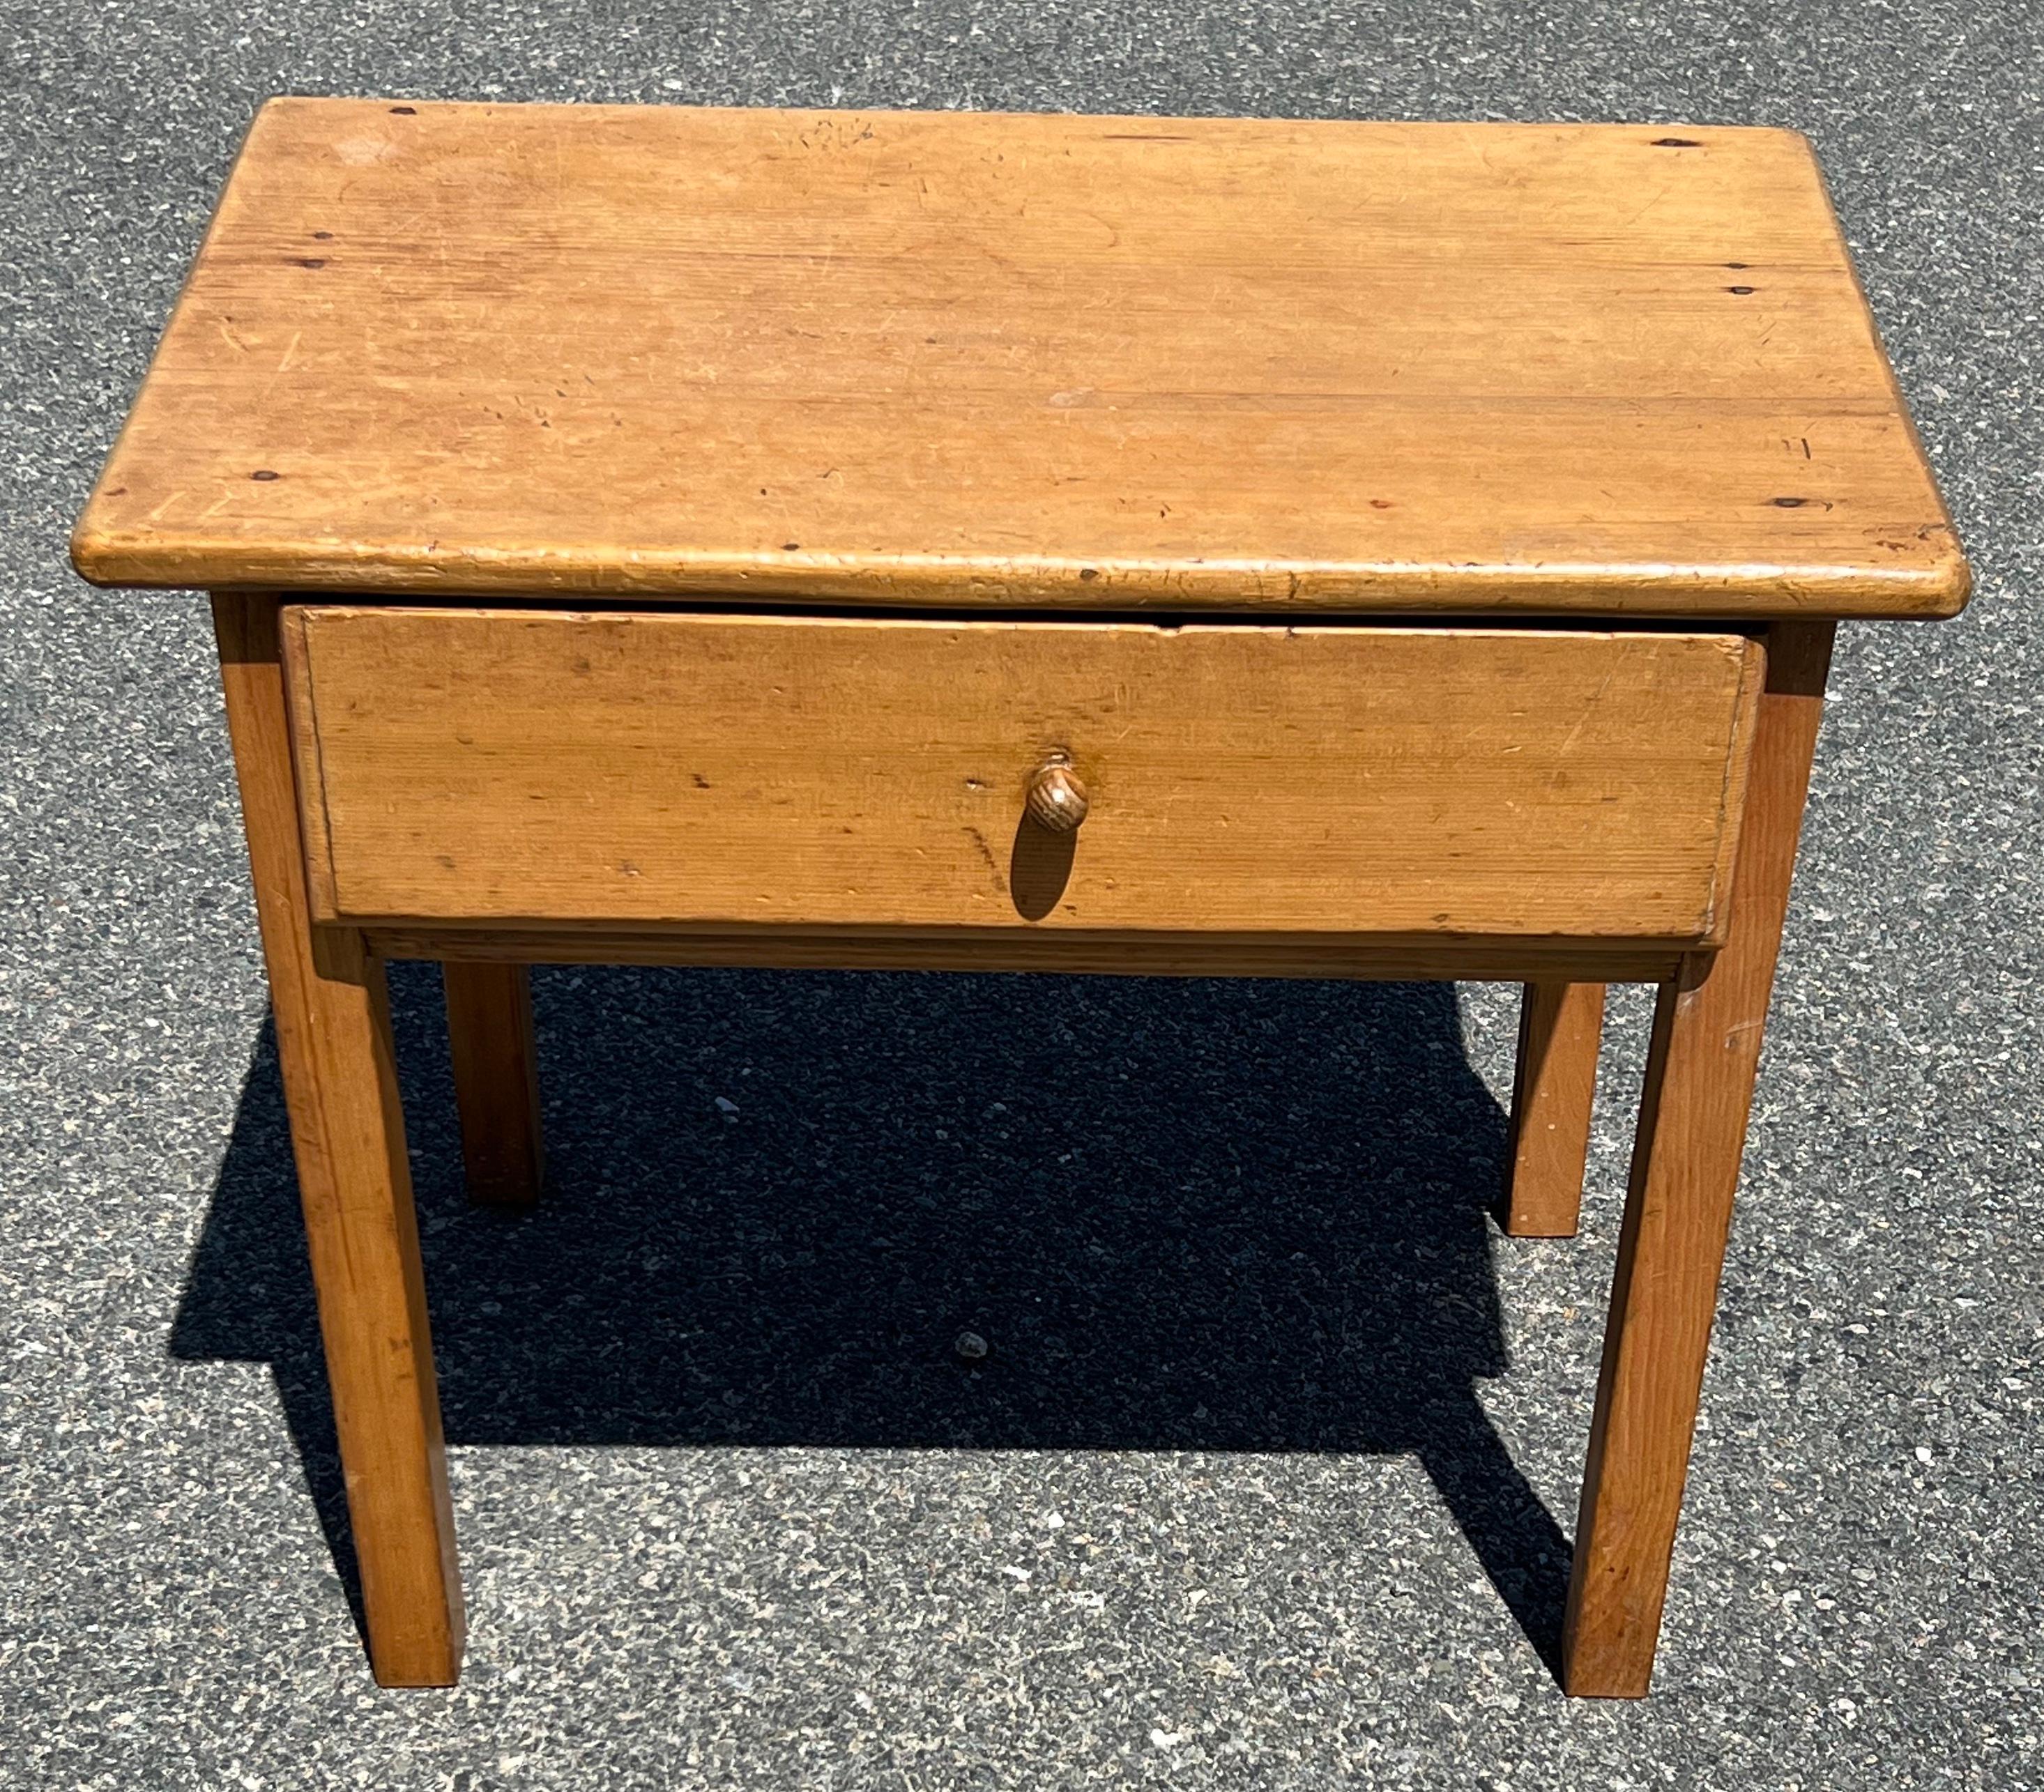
348,1131
1700,1077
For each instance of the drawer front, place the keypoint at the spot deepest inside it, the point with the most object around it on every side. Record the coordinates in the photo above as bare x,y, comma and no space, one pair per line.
716,770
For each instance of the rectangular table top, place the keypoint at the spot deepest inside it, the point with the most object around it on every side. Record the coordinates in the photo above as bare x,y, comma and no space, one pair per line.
953,359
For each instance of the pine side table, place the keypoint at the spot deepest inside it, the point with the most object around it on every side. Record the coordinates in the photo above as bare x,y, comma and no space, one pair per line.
1054,543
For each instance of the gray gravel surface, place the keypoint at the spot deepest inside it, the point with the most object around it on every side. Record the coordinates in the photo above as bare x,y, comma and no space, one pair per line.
1267,1479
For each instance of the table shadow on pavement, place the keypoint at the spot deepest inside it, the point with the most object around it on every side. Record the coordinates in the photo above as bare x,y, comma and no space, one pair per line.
1184,1215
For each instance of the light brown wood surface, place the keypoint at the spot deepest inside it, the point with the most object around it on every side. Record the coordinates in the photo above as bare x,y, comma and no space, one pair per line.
475,765
496,1080
1685,1166
347,1132
960,359
1554,1088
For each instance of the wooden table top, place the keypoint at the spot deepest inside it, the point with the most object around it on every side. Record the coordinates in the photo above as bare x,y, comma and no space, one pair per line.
954,360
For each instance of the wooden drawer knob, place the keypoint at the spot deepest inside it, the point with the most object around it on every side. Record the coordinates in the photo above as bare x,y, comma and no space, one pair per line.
1057,798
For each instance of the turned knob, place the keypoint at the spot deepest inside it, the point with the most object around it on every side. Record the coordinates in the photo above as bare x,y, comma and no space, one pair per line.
1057,798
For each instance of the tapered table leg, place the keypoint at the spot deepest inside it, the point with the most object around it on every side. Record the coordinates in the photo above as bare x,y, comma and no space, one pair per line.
496,1080
1700,1078
348,1130
1553,1087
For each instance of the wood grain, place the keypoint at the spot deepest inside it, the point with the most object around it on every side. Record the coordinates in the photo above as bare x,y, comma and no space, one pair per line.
713,771
960,359
347,1132
1700,1078
1561,1026
496,1080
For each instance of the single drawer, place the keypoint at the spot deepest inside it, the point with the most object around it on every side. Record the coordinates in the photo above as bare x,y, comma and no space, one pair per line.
715,770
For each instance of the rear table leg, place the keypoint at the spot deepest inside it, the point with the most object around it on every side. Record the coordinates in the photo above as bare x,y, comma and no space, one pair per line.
496,1080
1560,1027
